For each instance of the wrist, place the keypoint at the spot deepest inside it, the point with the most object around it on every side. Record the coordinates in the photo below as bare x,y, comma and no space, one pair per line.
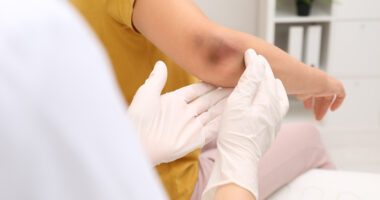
228,171
316,83
324,82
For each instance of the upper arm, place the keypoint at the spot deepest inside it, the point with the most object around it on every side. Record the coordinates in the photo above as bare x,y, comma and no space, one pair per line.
184,33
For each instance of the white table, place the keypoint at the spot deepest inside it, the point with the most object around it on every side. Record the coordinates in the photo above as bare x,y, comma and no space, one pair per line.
331,185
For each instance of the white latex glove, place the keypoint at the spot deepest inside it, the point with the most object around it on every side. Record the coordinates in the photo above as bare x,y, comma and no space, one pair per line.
252,114
174,124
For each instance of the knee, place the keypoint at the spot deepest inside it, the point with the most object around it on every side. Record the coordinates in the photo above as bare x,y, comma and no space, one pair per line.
313,143
306,134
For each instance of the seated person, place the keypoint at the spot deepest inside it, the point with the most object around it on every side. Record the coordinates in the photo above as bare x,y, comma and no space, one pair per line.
138,33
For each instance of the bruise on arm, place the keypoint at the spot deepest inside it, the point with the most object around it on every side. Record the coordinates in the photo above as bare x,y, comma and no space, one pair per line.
183,33
222,58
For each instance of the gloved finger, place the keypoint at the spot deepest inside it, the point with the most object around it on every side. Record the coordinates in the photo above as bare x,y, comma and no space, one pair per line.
267,93
211,130
156,81
194,91
205,102
283,98
152,87
268,69
268,88
250,81
212,113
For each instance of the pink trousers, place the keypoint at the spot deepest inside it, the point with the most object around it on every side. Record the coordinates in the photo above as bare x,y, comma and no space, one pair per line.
297,149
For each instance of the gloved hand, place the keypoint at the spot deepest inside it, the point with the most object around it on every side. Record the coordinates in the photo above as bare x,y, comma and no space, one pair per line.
174,124
252,114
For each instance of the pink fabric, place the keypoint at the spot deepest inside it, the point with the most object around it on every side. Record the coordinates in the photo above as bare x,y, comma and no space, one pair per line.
297,149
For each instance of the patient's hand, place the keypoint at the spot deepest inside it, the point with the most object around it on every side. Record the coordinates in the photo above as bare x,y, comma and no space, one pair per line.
330,97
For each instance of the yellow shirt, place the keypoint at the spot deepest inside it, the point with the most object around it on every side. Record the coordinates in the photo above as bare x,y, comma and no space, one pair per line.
133,58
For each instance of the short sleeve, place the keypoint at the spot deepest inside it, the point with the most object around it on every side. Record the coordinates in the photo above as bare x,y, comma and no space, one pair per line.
121,11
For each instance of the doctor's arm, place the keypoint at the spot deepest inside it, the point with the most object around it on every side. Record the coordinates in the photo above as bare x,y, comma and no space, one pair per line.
214,53
233,191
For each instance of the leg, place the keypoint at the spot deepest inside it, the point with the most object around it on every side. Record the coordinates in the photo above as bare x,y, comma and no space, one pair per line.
206,163
297,149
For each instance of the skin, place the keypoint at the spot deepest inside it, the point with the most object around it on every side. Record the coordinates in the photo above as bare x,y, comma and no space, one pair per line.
214,53
232,191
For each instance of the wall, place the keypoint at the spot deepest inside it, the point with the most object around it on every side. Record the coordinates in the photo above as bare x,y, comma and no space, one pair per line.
241,15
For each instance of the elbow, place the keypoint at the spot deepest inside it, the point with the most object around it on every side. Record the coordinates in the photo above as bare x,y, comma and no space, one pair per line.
223,60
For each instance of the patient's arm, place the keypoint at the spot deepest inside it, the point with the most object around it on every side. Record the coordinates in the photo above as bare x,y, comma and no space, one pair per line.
232,191
215,54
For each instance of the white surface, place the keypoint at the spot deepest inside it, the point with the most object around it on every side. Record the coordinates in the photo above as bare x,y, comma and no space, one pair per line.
361,110
355,49
331,185
354,150
295,41
356,9
313,45
241,15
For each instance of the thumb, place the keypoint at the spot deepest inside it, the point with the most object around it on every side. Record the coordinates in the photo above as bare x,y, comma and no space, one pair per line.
153,85
157,79
250,81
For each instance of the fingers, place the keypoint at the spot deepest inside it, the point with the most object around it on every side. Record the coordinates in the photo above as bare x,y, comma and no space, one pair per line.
153,85
267,93
338,101
268,69
157,79
196,90
321,106
272,93
249,82
308,103
211,130
283,98
207,101
268,88
212,113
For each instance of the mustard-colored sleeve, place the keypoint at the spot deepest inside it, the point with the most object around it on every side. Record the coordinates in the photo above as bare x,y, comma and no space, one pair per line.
121,11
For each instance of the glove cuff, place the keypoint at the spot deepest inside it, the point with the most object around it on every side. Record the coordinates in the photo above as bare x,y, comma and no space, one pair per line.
228,170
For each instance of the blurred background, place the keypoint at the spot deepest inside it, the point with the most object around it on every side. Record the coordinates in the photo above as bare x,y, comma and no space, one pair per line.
341,37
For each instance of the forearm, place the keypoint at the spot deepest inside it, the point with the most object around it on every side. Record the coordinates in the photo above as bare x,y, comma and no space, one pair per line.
232,191
297,77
